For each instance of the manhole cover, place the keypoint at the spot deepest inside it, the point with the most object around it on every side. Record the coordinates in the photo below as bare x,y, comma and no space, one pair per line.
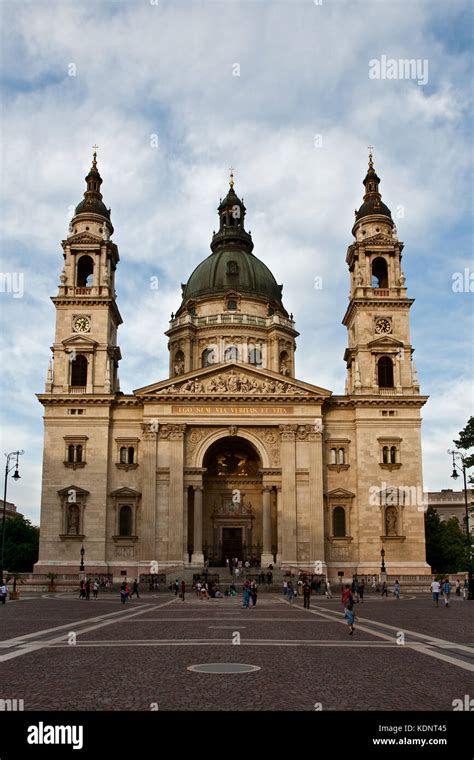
223,667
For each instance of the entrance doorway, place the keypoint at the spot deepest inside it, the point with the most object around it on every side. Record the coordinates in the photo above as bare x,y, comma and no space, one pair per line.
231,543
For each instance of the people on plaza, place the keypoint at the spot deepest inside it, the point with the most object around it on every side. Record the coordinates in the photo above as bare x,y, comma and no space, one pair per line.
135,589
396,589
306,594
232,589
355,589
350,617
253,593
361,590
124,592
82,589
373,585
246,594
204,591
269,577
197,589
446,591
347,600
290,591
95,589
385,589
327,589
182,590
465,589
176,587
3,591
88,588
285,588
435,589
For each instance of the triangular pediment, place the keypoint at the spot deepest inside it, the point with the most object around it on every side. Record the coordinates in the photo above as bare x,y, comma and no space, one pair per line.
385,341
73,490
79,340
340,493
233,379
125,493
84,238
380,239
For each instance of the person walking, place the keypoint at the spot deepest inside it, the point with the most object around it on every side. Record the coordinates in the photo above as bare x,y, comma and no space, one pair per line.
458,587
328,590
350,617
385,589
306,594
3,591
285,588
435,588
88,588
246,595
95,589
182,590
253,593
347,599
374,583
176,587
446,592
82,589
361,590
123,592
135,589
290,592
355,589
465,589
396,589
197,588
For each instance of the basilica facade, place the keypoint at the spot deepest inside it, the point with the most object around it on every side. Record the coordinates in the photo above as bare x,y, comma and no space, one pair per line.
232,455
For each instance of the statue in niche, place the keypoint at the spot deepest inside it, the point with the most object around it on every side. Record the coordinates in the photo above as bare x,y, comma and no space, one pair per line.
73,520
179,367
391,521
283,367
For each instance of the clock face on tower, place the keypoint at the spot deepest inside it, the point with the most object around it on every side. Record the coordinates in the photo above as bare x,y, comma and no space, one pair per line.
82,324
383,326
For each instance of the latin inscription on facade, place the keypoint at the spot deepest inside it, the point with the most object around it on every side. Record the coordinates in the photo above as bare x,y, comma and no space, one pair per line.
214,409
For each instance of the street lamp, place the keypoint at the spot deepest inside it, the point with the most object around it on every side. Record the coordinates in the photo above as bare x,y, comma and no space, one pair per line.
382,555
16,476
455,476
81,567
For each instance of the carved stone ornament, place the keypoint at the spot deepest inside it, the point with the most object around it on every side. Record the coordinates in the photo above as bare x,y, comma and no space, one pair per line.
288,432
171,432
235,382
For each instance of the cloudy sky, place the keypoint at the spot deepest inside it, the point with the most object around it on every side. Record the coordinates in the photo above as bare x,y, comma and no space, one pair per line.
176,92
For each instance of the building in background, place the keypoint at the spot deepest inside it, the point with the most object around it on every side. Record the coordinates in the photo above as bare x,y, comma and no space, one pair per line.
449,503
232,455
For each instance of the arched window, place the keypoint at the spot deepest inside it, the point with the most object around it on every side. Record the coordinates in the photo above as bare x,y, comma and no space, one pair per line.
385,455
379,273
85,272
123,455
333,457
79,371
208,357
255,357
341,456
393,454
385,372
339,522
70,453
231,354
125,521
131,454
79,453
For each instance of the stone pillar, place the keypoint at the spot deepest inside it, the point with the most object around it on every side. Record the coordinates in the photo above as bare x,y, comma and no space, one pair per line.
267,556
288,472
198,556
148,505
175,510
316,500
279,525
185,525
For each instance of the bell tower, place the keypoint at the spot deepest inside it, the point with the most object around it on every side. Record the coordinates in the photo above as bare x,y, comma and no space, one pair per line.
379,353
85,352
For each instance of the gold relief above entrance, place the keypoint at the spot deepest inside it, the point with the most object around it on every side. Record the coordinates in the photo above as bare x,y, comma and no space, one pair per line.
231,409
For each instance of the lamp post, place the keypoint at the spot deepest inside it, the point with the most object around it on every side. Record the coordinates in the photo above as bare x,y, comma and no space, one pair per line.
81,566
455,476
16,476
383,569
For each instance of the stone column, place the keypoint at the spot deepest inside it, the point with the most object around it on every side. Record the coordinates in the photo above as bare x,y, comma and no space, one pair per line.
185,525
288,459
316,500
198,556
279,525
148,505
267,556
175,513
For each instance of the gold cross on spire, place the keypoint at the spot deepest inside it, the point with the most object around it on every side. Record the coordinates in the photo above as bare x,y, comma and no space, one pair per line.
94,156
231,181
371,163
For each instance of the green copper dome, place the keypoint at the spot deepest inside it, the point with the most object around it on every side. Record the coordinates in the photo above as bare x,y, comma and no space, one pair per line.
236,270
232,265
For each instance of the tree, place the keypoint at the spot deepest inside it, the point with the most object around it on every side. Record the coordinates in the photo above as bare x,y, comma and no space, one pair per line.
21,545
446,545
466,442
